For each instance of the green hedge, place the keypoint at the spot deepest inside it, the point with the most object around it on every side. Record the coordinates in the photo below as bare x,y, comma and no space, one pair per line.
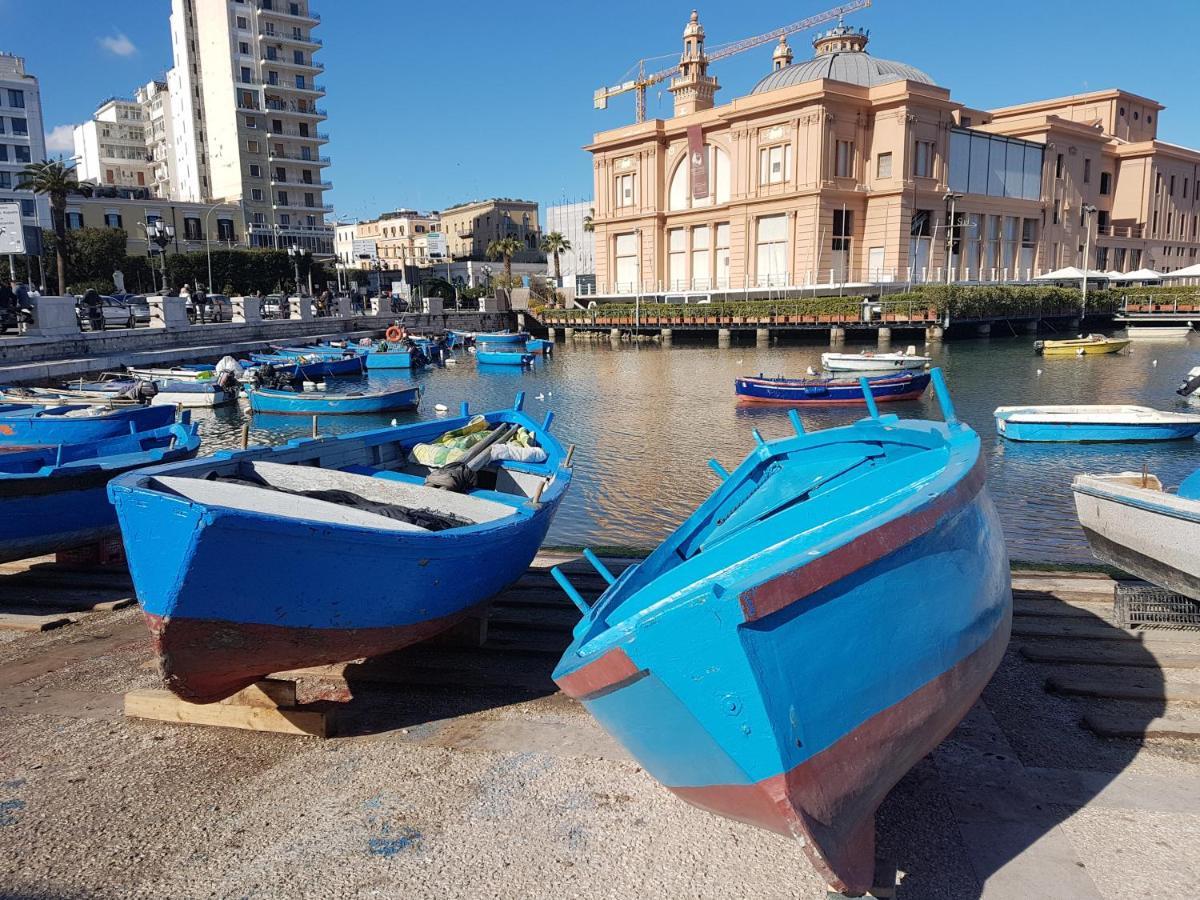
1004,300
754,309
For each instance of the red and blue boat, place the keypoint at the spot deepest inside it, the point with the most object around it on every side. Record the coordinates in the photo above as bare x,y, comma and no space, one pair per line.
816,627
329,549
829,391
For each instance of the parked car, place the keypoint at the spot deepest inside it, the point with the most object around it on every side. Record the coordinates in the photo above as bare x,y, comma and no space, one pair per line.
275,306
117,312
219,309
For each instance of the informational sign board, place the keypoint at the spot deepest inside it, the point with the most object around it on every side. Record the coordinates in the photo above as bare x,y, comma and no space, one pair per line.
364,248
12,235
436,242
698,162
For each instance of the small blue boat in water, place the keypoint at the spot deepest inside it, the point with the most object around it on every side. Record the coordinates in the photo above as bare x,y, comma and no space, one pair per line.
54,498
333,403
328,549
539,346
75,423
309,369
490,357
1094,424
813,630
830,391
495,337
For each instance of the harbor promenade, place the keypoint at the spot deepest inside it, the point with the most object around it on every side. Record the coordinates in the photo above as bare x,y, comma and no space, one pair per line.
456,769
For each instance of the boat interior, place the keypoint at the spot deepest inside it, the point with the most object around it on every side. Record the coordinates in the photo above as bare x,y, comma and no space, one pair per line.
112,453
1189,488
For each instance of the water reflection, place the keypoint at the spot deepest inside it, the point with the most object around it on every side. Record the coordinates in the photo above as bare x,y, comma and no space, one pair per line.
646,419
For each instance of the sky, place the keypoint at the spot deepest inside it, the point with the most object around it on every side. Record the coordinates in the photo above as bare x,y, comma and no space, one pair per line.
431,104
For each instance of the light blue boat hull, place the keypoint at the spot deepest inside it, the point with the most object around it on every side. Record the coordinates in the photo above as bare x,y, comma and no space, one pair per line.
305,403
389,359
39,425
503,358
1093,433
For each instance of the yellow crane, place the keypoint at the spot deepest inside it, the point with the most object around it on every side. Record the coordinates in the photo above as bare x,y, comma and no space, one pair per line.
643,81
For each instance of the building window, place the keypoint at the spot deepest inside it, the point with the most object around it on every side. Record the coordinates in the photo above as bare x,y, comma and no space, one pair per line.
843,227
191,230
310,199
625,190
1058,166
20,126
225,230
883,165
6,180
281,198
242,22
677,259
1158,182
3,152
256,194
843,166
1105,183
771,257
923,159
774,163
300,82
28,208
285,220
252,146
21,154
1154,223
1171,190
16,99
255,170
243,48
701,277
74,220
1087,171
246,78
280,173
625,248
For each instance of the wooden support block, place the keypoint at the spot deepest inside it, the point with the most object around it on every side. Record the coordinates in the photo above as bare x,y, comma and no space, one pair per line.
1139,687
1114,654
163,706
18,622
1140,727
268,693
109,552
110,605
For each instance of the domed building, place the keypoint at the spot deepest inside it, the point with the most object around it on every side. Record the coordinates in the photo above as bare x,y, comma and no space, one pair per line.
848,168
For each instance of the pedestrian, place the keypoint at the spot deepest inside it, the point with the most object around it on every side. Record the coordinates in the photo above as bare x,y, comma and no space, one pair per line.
93,307
324,302
200,301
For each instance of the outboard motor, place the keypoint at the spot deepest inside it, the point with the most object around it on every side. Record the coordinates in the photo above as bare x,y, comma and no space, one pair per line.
1191,384
141,391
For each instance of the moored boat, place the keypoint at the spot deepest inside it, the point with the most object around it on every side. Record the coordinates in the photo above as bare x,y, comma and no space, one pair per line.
1133,524
829,391
1093,424
189,393
496,357
500,337
869,361
539,346
330,403
1082,346
307,368
328,549
1157,332
818,625
53,498
1189,388
30,425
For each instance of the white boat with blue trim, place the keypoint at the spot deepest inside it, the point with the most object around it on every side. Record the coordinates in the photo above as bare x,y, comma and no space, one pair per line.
1094,424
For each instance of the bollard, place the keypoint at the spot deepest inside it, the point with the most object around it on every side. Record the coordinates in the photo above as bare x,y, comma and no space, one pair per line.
885,335
837,334
723,337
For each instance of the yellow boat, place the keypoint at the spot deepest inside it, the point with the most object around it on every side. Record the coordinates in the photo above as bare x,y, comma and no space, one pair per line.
1093,343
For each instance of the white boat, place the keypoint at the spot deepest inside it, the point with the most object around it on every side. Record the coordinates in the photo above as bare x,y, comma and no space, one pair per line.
1133,524
174,373
1190,387
1157,332
869,361
1081,424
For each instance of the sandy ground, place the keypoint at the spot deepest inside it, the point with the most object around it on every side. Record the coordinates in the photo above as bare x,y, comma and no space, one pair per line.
454,791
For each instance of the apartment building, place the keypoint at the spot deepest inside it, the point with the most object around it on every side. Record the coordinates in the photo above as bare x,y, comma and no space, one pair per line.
22,141
110,149
198,226
470,227
154,99
245,105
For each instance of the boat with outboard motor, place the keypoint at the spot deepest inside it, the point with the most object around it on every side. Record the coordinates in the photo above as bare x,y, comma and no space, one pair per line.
491,356
818,625
1090,345
241,559
1133,524
54,497
1093,424
870,361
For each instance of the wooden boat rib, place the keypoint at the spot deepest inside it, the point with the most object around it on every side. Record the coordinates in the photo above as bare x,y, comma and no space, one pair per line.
1133,524
1093,424
329,549
815,628
53,498
829,391
1084,346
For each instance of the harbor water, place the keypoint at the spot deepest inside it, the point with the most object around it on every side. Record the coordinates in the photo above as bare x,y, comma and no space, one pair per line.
646,419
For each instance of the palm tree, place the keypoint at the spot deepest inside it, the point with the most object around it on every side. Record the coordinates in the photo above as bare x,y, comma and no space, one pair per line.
554,243
505,248
56,180
589,221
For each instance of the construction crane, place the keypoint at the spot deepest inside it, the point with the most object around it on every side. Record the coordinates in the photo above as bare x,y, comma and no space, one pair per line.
643,81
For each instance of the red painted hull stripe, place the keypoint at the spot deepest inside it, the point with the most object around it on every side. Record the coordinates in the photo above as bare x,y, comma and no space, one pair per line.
599,676
778,593
912,395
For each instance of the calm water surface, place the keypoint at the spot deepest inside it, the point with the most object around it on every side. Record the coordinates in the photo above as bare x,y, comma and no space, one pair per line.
646,419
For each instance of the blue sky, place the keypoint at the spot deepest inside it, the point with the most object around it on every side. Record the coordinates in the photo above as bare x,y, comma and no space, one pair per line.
434,103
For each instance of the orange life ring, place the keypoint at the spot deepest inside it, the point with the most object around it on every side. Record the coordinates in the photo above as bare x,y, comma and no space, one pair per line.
394,334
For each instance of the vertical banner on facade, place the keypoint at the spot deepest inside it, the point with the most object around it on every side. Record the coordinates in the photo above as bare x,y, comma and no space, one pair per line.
698,160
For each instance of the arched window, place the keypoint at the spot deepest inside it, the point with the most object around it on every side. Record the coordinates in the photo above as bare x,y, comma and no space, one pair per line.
679,195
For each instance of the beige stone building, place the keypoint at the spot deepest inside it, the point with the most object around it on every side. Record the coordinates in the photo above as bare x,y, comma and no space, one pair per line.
400,238
850,169
198,226
470,227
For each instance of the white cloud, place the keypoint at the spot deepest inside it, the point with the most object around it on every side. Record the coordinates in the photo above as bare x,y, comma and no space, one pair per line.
61,139
118,45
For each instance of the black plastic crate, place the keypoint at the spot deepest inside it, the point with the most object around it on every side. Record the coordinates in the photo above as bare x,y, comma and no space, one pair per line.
1147,606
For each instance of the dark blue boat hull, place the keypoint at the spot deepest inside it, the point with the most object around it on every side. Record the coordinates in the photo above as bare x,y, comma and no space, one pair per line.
828,391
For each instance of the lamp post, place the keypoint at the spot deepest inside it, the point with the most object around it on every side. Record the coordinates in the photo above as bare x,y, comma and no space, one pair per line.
160,235
1088,211
208,239
298,253
953,199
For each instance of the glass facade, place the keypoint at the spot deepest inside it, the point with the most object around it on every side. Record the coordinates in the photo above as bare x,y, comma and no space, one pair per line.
995,166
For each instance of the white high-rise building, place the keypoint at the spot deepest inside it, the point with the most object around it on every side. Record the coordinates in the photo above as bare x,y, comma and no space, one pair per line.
155,102
110,149
22,141
244,106
579,263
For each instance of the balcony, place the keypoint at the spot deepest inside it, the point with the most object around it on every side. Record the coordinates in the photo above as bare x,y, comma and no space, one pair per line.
272,10
315,161
293,109
321,137
285,61
303,207
289,38
1122,231
310,90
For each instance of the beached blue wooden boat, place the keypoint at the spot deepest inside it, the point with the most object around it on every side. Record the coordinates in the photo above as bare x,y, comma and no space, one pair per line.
829,391
54,498
503,357
329,549
1094,424
815,628
30,425
309,369
333,403
539,346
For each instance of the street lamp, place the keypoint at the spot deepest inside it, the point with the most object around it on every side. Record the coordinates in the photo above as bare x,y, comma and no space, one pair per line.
297,254
1088,211
160,235
952,199
208,239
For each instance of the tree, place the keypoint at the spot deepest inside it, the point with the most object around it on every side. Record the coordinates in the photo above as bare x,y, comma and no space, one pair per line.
554,244
505,248
589,221
94,254
56,180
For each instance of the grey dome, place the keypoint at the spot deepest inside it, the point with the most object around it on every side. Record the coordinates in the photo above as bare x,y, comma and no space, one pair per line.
852,67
